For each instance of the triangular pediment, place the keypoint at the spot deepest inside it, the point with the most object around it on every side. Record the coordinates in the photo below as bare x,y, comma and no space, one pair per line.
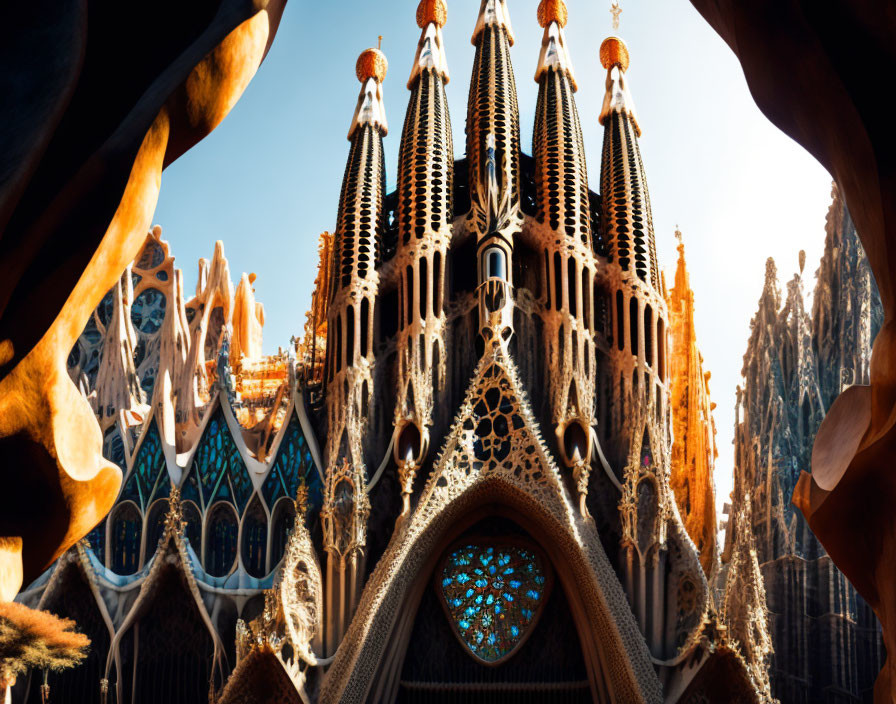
495,436
494,456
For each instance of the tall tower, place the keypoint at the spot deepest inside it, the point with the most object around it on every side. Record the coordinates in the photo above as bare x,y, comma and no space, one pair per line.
640,440
350,358
639,356
425,214
493,155
564,236
694,450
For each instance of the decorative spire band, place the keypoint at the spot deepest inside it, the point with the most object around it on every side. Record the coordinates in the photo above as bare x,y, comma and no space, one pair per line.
493,13
371,72
553,47
614,57
430,48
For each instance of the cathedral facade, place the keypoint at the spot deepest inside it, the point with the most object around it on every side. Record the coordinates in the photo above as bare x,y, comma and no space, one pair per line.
826,639
460,488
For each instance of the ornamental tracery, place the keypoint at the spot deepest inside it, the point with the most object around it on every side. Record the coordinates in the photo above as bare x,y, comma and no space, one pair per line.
493,593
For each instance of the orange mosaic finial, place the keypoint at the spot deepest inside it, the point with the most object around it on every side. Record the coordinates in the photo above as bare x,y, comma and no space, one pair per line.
372,64
552,11
432,12
614,52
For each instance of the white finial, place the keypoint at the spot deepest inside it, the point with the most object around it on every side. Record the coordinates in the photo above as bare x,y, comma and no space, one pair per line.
615,10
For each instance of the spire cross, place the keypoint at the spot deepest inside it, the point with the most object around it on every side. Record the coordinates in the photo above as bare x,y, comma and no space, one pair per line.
677,233
615,10
379,42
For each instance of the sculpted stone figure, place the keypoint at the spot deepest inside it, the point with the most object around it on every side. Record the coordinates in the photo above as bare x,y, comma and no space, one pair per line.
813,70
97,101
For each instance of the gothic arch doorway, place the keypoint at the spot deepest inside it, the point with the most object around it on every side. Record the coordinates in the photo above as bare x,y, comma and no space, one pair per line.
493,625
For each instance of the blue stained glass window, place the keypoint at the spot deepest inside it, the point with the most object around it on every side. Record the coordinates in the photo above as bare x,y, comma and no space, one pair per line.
255,539
150,256
148,311
219,466
97,540
113,446
220,540
149,477
155,527
493,595
126,529
192,525
293,466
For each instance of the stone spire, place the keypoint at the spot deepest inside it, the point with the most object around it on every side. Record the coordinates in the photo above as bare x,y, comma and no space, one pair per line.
493,156
564,235
425,214
694,450
626,204
846,307
354,282
350,359
431,17
493,130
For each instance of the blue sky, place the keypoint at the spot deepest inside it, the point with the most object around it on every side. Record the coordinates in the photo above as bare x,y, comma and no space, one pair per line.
266,182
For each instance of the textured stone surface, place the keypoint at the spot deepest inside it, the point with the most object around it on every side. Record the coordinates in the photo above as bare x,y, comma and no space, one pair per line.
840,112
795,365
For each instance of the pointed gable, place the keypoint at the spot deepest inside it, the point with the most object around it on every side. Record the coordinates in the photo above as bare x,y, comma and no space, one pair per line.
148,479
217,472
293,467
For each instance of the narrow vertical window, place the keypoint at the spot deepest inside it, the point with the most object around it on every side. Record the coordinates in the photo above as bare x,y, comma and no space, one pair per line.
409,304
620,321
648,335
437,283
424,287
495,264
350,336
365,327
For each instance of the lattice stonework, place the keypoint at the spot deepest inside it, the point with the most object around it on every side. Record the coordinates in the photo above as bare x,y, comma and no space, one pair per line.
294,466
493,595
494,449
149,477
219,467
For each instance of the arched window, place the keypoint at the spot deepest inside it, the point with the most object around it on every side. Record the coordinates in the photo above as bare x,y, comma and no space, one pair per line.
255,538
494,263
192,525
284,518
126,527
155,528
220,539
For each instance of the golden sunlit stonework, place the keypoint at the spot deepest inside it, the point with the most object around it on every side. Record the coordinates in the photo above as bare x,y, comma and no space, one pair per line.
462,482
694,450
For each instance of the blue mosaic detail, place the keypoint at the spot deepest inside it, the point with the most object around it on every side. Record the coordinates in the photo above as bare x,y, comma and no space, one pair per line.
149,477
292,467
219,467
148,311
493,595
